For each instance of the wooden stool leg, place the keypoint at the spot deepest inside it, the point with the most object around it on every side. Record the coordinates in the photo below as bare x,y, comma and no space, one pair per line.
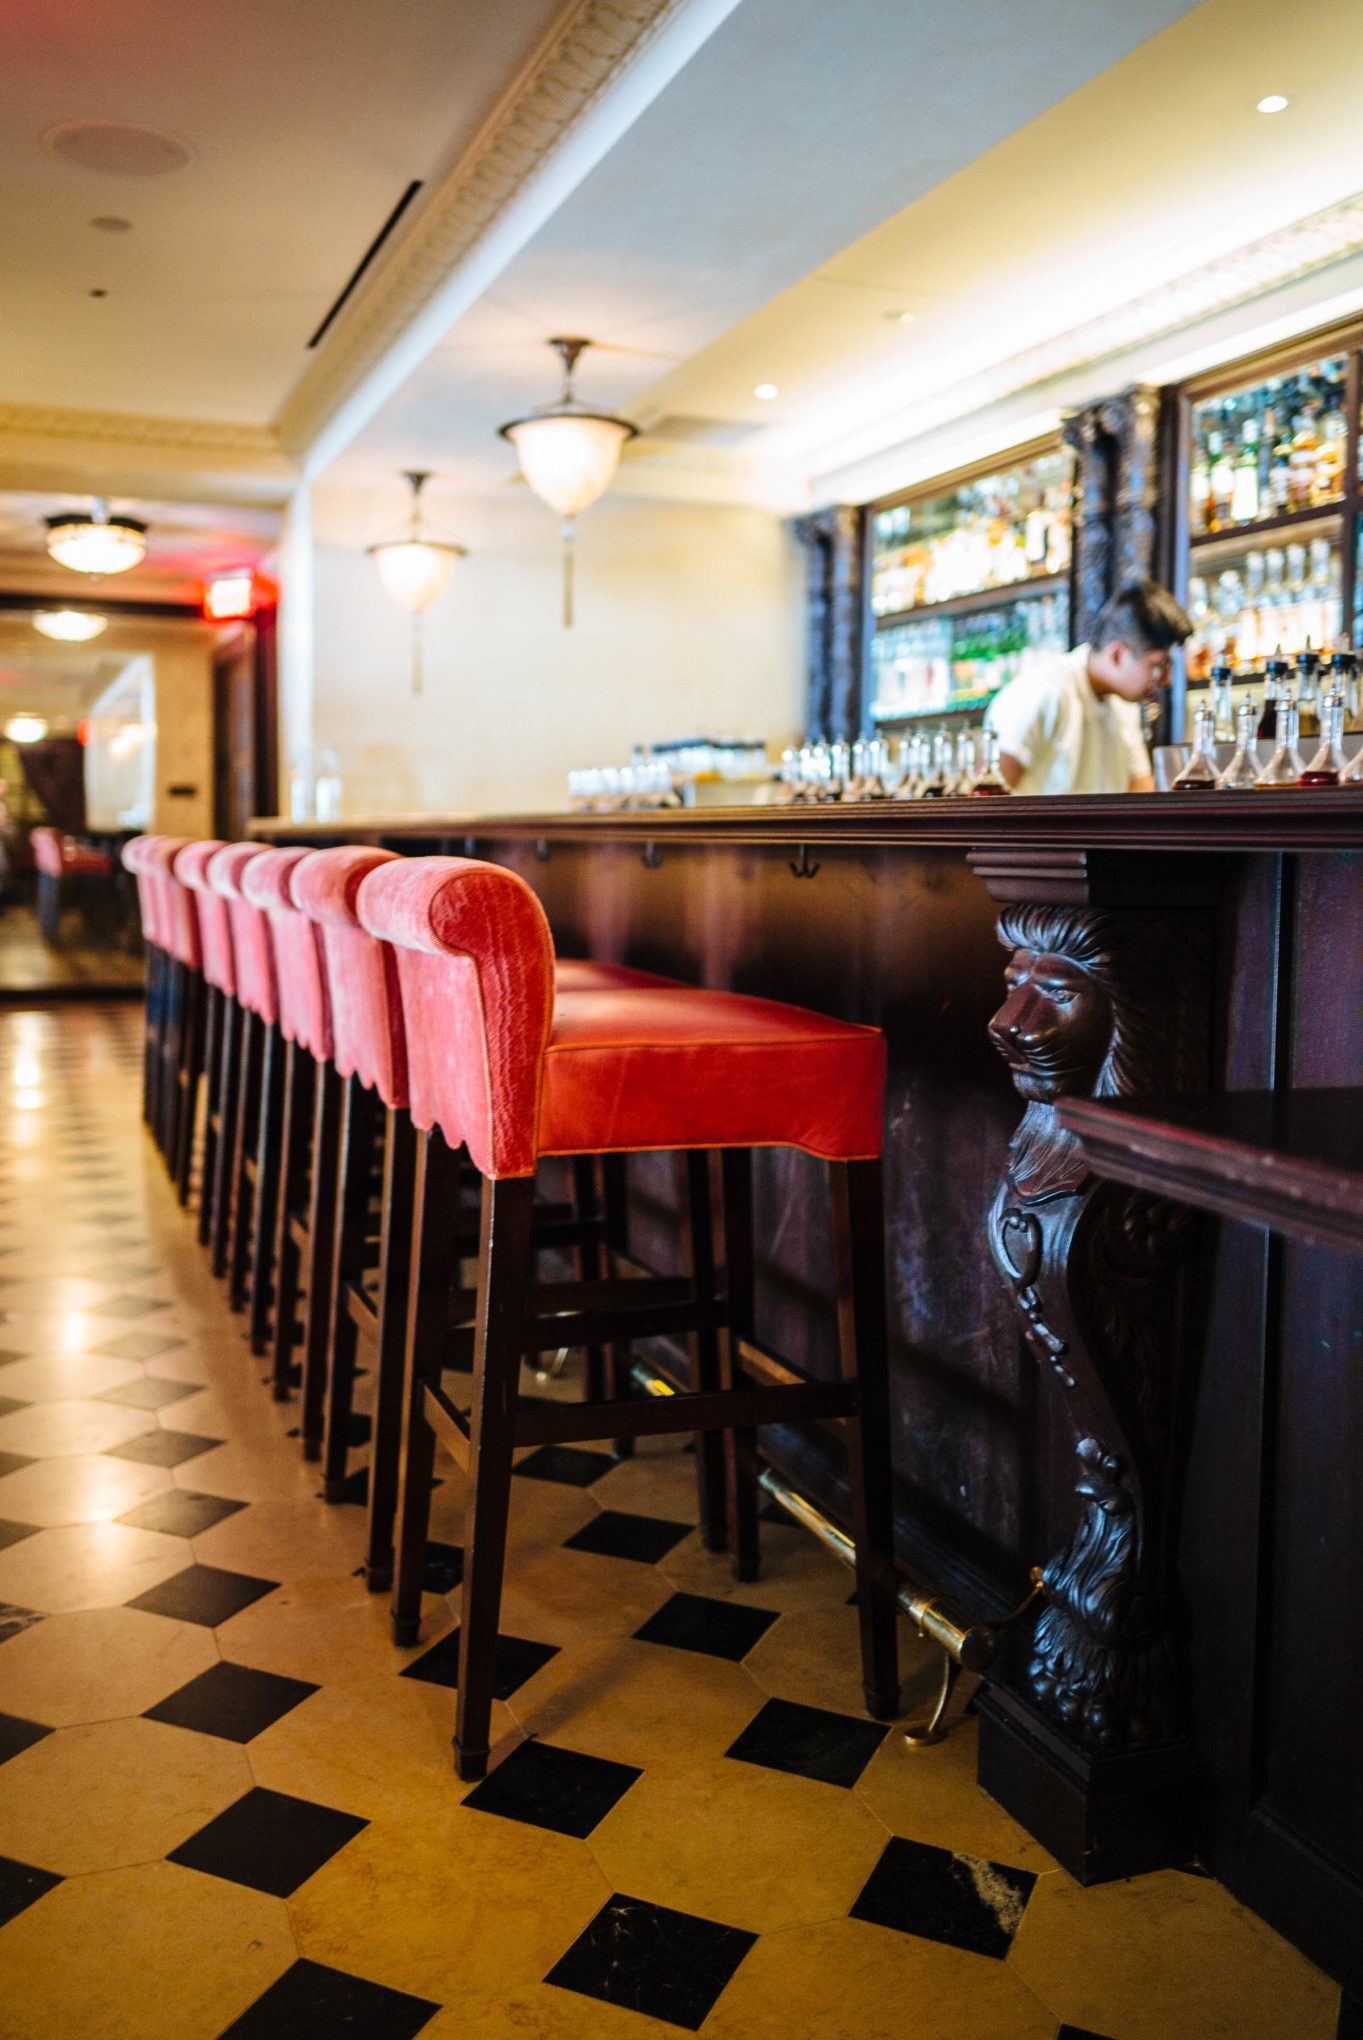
224,1170
347,1261
188,1078
208,1167
590,1260
300,1084
859,1259
698,1249
504,1271
399,1168
435,1213
614,1186
321,1229
248,1108
49,905
168,1075
151,1053
276,1070
740,1447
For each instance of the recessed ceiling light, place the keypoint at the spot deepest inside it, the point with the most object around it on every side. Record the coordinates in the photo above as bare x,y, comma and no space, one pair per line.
70,626
111,223
1274,103
901,318
115,148
766,391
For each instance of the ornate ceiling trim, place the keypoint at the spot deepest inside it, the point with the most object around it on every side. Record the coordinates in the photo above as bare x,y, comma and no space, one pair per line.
585,54
128,428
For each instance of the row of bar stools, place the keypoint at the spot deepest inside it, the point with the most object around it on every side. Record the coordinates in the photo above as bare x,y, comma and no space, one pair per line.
505,1070
137,861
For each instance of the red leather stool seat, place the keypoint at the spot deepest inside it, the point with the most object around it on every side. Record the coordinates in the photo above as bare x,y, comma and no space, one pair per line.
210,908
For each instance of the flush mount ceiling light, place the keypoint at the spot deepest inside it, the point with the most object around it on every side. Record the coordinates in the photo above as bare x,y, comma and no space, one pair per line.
26,729
767,391
1273,103
415,568
92,542
569,455
70,626
115,148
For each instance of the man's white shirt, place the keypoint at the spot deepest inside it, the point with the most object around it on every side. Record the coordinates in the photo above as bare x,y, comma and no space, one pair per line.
1067,738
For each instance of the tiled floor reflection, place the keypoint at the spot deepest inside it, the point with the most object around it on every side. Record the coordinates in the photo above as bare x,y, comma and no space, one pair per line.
226,1799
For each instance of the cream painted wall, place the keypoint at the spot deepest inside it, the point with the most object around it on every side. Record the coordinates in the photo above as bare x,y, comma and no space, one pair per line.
182,655
688,618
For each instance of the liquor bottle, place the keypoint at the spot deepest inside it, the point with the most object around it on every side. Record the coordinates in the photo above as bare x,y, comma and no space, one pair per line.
1286,766
1329,765
1308,684
963,778
1243,770
989,781
1201,773
911,766
1302,460
1280,468
1222,700
1221,479
1275,685
1342,675
1200,490
1244,502
937,784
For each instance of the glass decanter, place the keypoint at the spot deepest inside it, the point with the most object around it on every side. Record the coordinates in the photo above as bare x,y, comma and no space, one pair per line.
1243,771
989,781
937,785
964,776
1286,766
1201,773
1329,765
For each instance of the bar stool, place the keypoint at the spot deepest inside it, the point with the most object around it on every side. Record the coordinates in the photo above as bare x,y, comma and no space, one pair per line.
136,860
500,1066
369,1052
219,975
250,1044
182,1019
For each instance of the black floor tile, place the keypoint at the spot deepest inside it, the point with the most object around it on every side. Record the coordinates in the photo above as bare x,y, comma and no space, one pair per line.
140,1346
444,1567
647,1958
312,2002
123,1271
811,1742
20,1885
961,1900
163,1448
128,1306
568,1464
614,1534
14,1533
1350,2026
17,1734
518,1659
10,1462
10,1403
269,1841
234,1702
1087,2033
203,1593
722,1629
552,1788
179,1514
14,1620
148,1392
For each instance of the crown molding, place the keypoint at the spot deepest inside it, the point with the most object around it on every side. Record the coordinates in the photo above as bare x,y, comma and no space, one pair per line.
585,56
130,428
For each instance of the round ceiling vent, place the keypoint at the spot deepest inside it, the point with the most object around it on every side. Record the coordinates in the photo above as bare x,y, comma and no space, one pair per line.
115,148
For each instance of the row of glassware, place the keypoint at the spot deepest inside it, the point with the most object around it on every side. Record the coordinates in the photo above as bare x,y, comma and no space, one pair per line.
921,767
1247,771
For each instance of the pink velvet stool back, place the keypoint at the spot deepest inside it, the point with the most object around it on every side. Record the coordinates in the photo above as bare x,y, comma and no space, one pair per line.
304,1014
367,1036
215,927
252,950
46,845
136,860
179,924
476,968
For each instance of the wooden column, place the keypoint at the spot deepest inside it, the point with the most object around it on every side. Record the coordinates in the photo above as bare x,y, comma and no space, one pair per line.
1116,492
832,539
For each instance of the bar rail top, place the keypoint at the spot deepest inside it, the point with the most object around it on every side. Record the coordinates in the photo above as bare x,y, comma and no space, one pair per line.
1329,819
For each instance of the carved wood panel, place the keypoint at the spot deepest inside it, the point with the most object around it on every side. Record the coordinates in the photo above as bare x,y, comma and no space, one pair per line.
1116,497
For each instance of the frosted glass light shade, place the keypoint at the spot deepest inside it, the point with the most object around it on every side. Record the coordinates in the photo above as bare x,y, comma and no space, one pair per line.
70,626
26,729
96,545
569,458
415,570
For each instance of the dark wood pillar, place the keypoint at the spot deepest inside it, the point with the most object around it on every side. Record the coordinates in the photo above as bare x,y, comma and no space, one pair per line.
833,540
1084,1738
1116,491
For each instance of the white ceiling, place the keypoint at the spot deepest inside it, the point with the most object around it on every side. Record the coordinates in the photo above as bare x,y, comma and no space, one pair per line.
306,119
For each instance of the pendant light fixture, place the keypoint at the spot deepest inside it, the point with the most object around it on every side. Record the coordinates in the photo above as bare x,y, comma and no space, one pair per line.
92,542
415,569
70,626
569,455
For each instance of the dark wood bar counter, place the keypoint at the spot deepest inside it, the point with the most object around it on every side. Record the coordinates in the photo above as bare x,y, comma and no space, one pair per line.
1156,1408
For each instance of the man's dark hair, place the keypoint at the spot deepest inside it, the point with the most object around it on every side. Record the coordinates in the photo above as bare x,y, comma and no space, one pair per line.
1143,615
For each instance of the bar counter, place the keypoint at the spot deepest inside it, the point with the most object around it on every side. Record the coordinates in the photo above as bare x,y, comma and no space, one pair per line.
1156,1409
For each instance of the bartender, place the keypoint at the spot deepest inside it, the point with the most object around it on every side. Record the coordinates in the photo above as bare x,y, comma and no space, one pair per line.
1073,725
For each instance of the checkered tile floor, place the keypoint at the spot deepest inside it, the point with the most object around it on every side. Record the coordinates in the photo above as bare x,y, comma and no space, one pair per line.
226,1801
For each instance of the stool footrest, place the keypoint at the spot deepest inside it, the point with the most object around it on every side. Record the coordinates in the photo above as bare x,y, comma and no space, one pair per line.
450,1425
716,1410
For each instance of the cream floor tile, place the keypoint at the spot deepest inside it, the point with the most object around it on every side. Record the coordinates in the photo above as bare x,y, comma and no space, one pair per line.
560,1596
153,1953
659,1480
57,1332
471,1904
63,1377
88,1565
248,1473
1167,1957
847,1980
85,1488
542,2012
638,1703
99,1665
930,1795
50,1429
115,1793
797,1572
734,1842
814,1655
292,1540
324,1630
37,1295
